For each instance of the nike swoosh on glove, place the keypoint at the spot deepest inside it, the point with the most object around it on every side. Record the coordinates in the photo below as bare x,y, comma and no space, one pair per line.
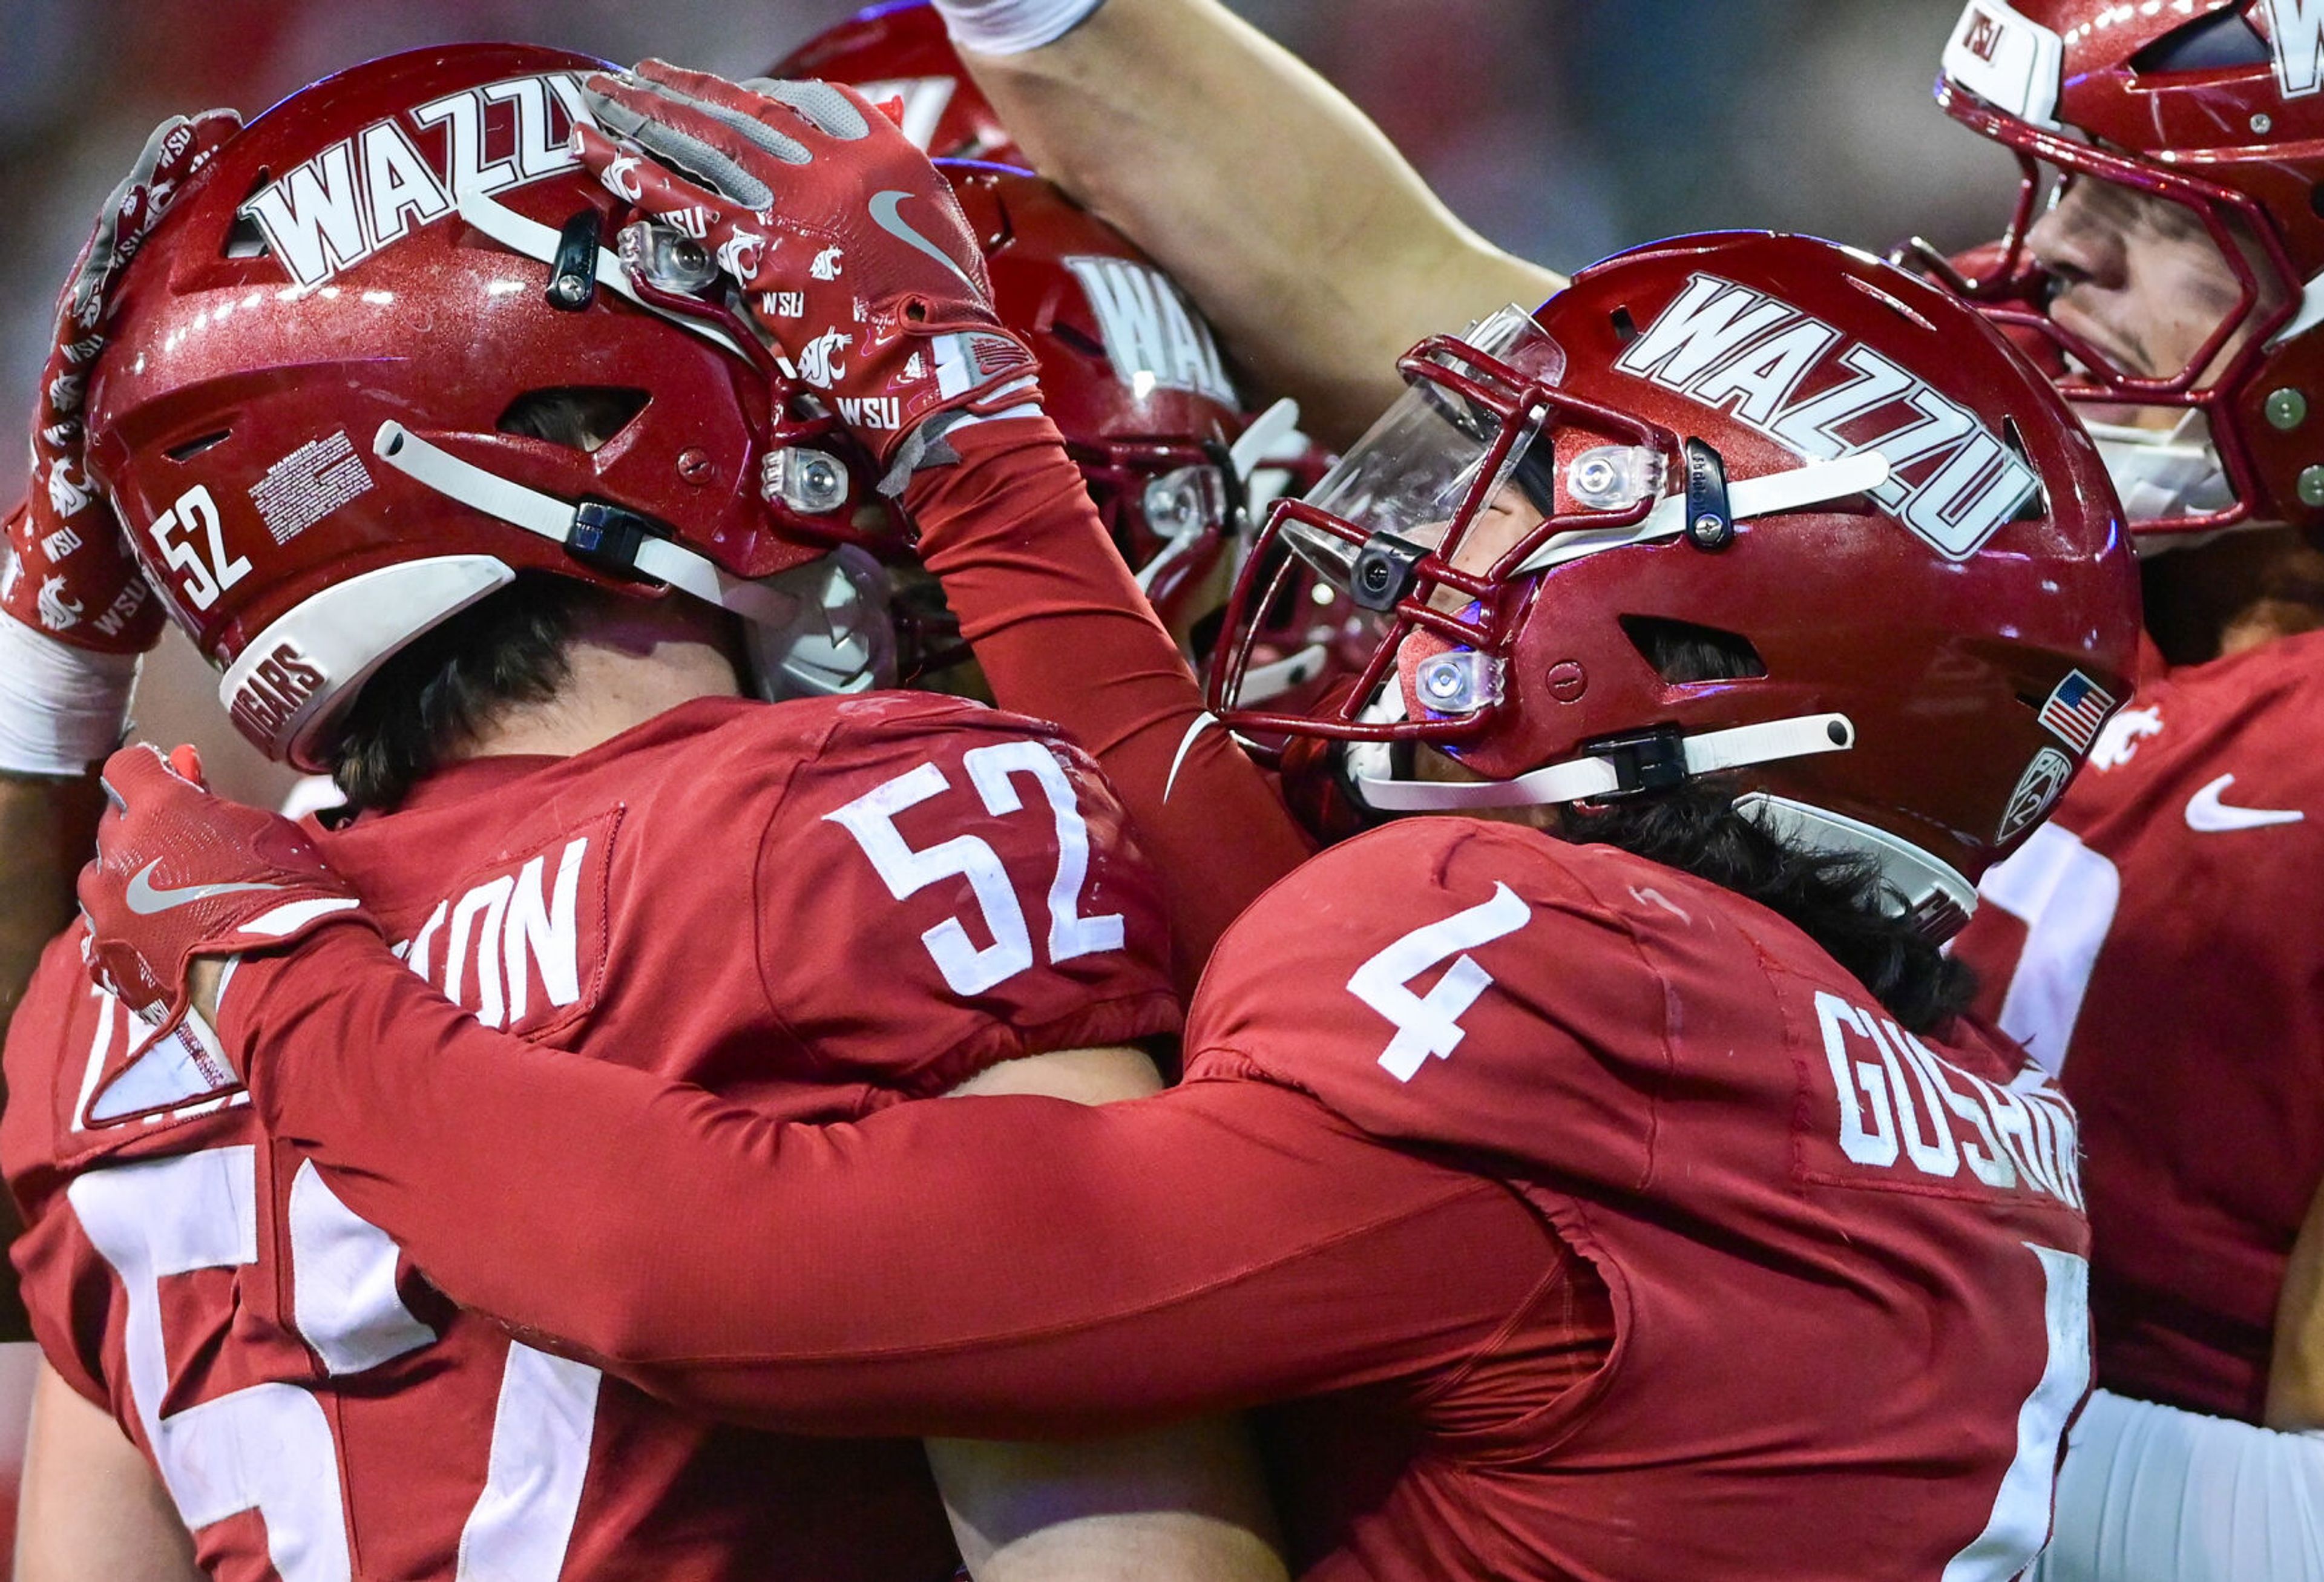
180,873
850,250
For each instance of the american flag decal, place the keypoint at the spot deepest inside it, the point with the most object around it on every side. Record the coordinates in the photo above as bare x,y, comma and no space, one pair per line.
2078,706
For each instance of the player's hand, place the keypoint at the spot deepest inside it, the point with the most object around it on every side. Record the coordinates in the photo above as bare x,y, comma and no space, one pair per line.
850,251
68,572
182,873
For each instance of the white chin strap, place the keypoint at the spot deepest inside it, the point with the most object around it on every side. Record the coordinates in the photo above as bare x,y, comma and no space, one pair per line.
1581,779
536,241
1773,494
1262,683
806,634
2162,474
1918,885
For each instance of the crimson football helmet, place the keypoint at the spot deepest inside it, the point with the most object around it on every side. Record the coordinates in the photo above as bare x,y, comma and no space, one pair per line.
1130,372
327,407
901,51
1898,549
1132,378
2213,105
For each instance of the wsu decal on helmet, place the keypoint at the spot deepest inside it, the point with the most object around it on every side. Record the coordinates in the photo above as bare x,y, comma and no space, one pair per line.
1151,337
1951,482
364,191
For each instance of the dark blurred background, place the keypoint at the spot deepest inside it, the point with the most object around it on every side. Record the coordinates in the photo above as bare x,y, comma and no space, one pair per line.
1563,129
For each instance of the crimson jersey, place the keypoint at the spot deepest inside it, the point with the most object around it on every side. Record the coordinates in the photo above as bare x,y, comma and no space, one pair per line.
1828,1318
1843,1262
2158,943
825,907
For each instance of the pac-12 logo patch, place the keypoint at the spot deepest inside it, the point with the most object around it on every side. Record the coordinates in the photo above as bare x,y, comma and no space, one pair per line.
2037,788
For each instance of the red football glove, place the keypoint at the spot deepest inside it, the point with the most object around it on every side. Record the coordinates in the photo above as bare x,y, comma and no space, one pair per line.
68,571
850,249
182,873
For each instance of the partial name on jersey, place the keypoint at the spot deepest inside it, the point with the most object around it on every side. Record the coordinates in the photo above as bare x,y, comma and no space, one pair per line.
1911,1120
1951,482
1152,337
367,190
522,944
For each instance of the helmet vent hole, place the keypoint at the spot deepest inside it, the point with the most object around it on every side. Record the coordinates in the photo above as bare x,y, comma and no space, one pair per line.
580,417
243,239
195,446
1625,329
2037,502
1079,340
2221,39
1682,653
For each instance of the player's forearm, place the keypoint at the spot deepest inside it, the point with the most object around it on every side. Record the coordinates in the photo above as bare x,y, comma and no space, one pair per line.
1064,634
1310,244
976,1267
1183,1501
90,1505
2295,1378
1186,1501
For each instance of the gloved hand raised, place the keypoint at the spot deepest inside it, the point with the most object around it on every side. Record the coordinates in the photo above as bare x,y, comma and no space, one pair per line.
854,257
69,574
182,873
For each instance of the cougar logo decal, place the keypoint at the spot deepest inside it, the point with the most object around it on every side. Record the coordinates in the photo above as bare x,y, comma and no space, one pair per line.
58,614
68,495
740,253
817,364
620,177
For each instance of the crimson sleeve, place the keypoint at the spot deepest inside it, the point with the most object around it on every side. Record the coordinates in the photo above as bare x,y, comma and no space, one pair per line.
65,1287
1064,634
992,1267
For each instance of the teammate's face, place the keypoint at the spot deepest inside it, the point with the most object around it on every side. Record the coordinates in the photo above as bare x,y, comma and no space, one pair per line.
1507,518
2139,277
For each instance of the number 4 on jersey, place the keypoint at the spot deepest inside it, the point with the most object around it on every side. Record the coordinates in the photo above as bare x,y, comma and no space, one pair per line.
1430,1024
871,818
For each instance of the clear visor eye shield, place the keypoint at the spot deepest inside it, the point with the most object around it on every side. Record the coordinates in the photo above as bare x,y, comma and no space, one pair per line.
1428,521
818,629
1440,521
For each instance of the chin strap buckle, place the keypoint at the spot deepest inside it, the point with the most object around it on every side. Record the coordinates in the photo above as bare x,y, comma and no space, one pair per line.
1645,760
607,537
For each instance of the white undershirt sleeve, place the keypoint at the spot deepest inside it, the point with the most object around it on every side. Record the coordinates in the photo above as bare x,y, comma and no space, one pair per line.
1011,27
2152,1493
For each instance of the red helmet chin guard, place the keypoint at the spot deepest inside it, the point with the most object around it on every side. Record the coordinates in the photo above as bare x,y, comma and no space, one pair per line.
1899,551
2208,105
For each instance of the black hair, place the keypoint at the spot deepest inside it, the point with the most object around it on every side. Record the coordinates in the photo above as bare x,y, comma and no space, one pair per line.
1836,899
438,692
1839,900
